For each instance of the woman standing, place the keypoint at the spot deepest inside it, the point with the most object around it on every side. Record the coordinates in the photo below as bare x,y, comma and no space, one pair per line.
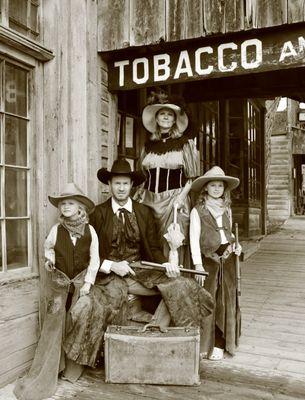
170,161
213,248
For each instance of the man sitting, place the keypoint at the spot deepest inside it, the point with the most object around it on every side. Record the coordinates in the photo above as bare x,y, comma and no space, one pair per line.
127,233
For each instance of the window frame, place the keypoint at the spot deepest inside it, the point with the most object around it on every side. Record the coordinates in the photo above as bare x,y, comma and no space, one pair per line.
31,267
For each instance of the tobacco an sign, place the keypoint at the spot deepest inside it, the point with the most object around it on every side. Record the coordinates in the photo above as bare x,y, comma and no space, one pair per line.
244,53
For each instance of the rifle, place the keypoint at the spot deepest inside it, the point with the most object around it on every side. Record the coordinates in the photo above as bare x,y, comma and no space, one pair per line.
237,264
159,267
238,289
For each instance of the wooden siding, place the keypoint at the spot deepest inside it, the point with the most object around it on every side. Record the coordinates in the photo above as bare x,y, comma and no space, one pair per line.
18,327
124,23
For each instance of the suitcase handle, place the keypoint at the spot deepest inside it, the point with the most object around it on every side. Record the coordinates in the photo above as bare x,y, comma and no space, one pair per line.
152,326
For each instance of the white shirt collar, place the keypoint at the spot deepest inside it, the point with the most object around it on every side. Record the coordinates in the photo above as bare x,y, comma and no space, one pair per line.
116,206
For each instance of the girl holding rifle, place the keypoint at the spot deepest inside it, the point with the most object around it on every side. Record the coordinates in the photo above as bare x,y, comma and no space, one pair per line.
213,249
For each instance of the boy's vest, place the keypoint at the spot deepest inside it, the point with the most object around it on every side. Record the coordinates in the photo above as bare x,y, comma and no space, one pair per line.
210,238
69,258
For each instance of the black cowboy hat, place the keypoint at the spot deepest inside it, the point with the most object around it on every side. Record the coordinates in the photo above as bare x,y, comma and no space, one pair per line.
120,167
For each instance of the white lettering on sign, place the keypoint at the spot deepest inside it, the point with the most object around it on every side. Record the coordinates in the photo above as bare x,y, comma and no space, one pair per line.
184,65
301,42
262,53
198,69
287,51
121,65
161,63
258,54
222,67
135,76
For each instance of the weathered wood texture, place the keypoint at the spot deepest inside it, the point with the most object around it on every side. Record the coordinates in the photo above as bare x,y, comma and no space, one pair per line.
264,13
184,19
147,21
18,327
296,11
77,104
113,23
171,20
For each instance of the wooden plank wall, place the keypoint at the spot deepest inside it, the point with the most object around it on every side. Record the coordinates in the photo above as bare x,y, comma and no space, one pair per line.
77,104
18,327
74,122
124,23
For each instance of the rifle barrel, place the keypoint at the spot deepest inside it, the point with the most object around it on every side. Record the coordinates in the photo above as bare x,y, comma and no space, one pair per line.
158,267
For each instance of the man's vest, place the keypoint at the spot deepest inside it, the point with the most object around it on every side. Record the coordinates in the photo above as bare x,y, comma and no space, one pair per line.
210,238
69,258
129,248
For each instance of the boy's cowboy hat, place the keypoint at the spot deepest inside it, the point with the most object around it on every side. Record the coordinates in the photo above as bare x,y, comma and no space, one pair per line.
160,100
120,167
72,191
214,174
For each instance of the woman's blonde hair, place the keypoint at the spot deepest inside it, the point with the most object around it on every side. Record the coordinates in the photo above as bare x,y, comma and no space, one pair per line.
174,132
203,195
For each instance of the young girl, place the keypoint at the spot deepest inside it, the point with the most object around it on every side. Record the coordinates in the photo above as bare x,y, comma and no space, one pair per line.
213,248
72,260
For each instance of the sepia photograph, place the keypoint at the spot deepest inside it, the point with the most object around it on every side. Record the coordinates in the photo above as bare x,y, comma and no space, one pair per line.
152,199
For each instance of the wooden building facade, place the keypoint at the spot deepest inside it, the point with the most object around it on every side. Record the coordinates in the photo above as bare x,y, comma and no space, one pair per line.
66,110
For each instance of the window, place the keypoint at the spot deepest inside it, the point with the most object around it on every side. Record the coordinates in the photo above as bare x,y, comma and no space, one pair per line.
236,144
253,141
208,134
21,16
128,128
15,232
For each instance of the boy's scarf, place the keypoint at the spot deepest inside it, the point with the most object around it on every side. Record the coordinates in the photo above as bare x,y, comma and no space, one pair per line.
215,206
75,227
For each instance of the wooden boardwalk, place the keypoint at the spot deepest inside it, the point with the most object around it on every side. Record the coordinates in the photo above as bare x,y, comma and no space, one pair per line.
270,361
272,347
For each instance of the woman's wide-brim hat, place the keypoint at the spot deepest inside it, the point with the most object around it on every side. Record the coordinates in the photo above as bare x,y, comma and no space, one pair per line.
120,167
72,191
215,174
149,116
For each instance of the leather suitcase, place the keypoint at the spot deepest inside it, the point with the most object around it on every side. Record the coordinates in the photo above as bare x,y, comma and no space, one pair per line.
152,355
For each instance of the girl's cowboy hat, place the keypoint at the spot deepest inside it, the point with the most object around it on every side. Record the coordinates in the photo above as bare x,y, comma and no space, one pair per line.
120,167
72,191
214,174
156,102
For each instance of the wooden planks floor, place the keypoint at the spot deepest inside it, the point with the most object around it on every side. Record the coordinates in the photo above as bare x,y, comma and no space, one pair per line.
270,361
271,354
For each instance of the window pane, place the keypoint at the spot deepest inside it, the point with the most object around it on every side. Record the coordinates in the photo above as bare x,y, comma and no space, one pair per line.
34,9
15,90
18,15
17,243
15,193
15,141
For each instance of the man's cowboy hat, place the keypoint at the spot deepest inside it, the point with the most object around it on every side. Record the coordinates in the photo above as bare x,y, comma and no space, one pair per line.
72,191
214,174
120,167
156,102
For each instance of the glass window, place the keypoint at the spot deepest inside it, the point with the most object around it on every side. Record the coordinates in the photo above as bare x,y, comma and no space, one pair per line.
21,16
129,124
253,144
14,168
207,116
236,144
